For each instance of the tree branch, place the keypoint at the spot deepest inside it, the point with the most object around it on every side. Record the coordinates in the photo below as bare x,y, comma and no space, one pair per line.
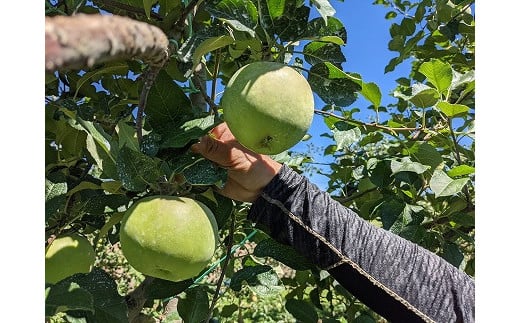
137,298
374,125
80,41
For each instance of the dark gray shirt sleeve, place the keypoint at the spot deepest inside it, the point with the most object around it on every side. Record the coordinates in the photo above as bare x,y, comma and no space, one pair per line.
398,279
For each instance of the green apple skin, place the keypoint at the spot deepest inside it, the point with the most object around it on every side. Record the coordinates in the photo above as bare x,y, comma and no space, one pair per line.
168,237
68,255
268,107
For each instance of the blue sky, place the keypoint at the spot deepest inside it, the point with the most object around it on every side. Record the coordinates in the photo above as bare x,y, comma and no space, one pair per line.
366,53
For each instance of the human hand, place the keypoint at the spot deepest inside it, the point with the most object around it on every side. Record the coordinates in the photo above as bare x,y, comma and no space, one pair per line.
248,172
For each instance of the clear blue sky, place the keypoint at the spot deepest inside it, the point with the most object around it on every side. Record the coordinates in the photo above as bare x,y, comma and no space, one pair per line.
366,53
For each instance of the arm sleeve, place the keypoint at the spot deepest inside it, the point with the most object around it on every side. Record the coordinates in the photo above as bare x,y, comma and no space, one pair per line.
398,279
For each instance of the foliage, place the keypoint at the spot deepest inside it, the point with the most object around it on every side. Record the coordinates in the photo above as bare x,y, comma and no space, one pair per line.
410,171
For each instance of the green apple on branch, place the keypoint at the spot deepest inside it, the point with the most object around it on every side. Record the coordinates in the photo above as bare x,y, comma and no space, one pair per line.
268,106
168,237
67,255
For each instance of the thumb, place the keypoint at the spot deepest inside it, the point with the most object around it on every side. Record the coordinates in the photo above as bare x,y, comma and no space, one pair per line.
213,149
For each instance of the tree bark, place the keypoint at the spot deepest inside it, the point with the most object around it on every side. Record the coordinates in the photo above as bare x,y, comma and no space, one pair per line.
80,41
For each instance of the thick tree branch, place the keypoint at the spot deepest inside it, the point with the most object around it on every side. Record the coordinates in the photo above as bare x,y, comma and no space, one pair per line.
80,41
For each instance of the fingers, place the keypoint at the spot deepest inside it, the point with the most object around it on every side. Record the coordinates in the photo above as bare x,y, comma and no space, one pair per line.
214,150
222,133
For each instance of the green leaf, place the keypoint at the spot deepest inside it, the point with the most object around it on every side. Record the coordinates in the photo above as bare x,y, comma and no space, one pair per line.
426,154
372,93
66,296
99,144
147,5
324,8
241,15
364,318
282,253
84,185
228,310
291,25
71,140
221,206
166,104
407,27
127,135
267,284
451,252
190,130
161,289
276,8
453,110
317,52
194,307
333,85
249,275
55,194
397,215
204,172
461,170
109,306
210,45
442,185
301,310
332,27
117,68
423,96
136,170
438,73
344,139
407,165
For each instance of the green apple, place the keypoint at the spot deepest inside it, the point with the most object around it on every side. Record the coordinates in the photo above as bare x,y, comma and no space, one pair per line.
268,107
68,255
168,237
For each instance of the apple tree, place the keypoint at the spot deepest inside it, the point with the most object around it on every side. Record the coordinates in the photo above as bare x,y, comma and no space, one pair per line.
131,84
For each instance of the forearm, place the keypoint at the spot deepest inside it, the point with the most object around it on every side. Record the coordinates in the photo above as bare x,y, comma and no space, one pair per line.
397,278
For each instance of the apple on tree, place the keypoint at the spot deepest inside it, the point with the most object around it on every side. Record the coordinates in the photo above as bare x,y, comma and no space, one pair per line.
67,255
268,106
168,237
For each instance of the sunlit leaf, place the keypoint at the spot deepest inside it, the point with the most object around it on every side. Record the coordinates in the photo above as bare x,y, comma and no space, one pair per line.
136,170
333,85
210,45
324,8
452,110
438,73
407,165
443,185
372,93
461,170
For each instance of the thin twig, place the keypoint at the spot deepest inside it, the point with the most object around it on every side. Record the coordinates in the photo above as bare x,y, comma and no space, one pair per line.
224,266
363,124
149,79
198,84
215,74
187,10
354,196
